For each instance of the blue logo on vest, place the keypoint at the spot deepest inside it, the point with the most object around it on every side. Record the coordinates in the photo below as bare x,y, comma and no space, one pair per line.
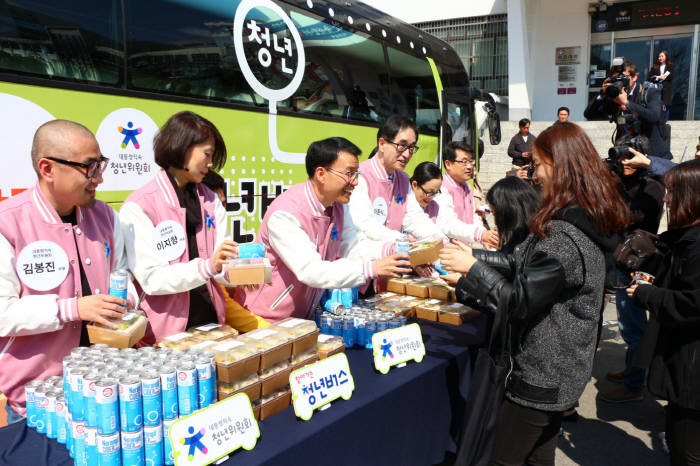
209,221
399,198
334,234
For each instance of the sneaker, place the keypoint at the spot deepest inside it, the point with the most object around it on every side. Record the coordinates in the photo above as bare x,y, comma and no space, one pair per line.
621,395
615,376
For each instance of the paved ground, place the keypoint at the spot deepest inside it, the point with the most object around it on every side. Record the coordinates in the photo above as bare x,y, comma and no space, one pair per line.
612,434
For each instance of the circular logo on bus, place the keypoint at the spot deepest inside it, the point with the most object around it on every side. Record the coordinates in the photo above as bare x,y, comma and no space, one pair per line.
261,38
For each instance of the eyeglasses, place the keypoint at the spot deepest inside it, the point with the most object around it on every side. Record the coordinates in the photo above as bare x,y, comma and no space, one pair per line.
402,147
464,162
429,193
91,169
351,176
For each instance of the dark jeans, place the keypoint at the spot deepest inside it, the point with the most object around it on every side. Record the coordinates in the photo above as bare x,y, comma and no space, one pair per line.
632,321
683,435
525,436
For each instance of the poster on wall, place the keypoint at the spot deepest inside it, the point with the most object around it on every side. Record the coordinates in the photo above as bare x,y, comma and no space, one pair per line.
567,55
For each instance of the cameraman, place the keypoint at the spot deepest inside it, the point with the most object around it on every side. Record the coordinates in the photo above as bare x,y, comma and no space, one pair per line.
644,197
636,111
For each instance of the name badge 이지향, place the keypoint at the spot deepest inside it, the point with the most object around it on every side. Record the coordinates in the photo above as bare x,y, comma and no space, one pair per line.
320,383
169,239
213,432
396,346
42,265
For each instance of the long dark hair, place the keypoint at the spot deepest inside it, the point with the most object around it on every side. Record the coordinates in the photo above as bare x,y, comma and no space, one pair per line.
513,201
391,127
683,184
579,179
656,60
426,171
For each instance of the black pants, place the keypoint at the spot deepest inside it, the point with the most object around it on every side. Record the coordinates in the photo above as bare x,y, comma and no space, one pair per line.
683,435
525,436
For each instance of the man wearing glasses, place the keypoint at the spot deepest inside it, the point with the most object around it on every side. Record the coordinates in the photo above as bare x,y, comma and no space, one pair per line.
311,244
58,246
458,159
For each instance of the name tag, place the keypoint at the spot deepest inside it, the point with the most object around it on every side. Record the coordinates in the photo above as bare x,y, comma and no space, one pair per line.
169,239
42,265
380,210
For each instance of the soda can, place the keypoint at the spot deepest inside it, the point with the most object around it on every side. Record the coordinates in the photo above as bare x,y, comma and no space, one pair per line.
41,403
360,331
78,351
118,281
107,405
146,350
51,413
153,445
349,331
251,250
111,351
394,323
91,456
130,404
402,245
325,325
70,442
186,388
89,381
29,395
78,432
402,320
132,448
203,366
77,400
61,419
168,390
168,457
109,450
212,360
151,393
99,346
382,324
370,329
53,379
337,326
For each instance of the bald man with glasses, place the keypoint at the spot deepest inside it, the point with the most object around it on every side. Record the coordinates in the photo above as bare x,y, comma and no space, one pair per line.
58,246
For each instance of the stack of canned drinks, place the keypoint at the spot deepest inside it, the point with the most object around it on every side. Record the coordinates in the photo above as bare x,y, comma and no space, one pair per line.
122,417
357,324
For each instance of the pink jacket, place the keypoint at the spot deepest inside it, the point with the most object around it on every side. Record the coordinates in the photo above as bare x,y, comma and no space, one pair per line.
29,217
167,313
393,194
300,200
462,197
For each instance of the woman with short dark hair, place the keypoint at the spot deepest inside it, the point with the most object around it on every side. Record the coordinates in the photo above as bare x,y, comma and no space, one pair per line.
672,340
557,277
176,230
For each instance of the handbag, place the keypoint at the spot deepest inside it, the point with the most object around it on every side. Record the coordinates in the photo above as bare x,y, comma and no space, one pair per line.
640,251
487,390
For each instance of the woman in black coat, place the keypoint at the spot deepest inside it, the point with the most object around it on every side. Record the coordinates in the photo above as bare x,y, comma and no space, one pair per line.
672,339
662,73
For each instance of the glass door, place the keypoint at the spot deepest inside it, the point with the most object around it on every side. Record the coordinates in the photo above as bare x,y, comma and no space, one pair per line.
679,51
637,51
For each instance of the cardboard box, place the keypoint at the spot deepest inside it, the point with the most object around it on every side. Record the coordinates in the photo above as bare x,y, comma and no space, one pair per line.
125,338
250,272
304,361
253,391
230,372
273,344
275,381
429,310
442,292
305,343
456,314
424,252
397,285
328,345
274,406
419,287
272,356
302,332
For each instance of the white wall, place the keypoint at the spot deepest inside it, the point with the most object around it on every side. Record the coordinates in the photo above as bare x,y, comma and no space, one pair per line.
416,11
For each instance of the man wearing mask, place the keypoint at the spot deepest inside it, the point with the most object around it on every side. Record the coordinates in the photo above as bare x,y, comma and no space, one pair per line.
58,246
312,245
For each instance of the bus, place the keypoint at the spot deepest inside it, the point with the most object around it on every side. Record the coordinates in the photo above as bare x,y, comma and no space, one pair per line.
272,75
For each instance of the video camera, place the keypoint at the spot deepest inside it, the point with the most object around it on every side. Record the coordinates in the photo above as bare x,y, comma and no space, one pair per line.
622,151
617,84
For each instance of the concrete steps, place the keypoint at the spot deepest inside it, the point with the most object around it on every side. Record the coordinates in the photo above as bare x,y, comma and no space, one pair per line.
495,162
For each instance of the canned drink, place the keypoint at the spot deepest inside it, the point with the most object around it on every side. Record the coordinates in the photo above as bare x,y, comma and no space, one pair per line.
78,432
78,351
109,450
70,442
70,366
91,456
77,400
326,324
337,326
394,323
130,404
168,457
153,445
124,351
61,419
89,381
212,361
402,245
360,331
370,329
99,346
349,331
152,404
186,388
318,312
203,366
402,320
40,406
53,379
146,350
168,390
118,281
251,250
29,395
132,448
107,405
382,324
51,413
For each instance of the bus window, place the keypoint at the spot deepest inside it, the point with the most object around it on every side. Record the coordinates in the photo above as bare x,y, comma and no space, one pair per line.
413,91
187,51
78,40
345,76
